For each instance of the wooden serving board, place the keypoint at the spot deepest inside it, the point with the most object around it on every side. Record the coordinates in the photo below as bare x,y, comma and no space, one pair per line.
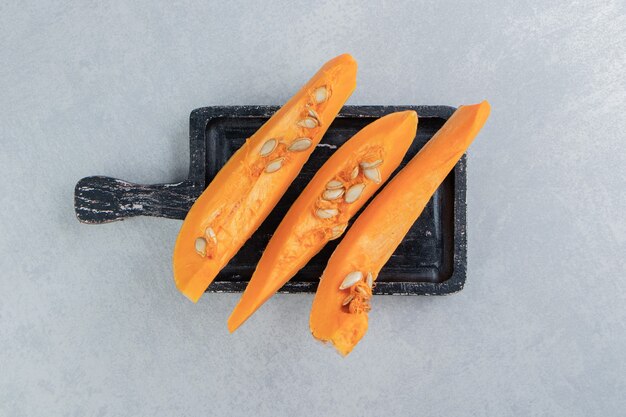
431,260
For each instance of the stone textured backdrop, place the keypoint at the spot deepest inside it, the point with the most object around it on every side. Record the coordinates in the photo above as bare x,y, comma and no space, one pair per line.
90,321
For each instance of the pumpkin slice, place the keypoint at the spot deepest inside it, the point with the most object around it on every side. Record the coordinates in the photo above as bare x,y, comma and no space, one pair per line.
246,189
342,301
321,212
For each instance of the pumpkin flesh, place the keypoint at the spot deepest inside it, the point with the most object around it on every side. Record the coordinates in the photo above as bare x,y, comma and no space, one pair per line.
343,184
251,183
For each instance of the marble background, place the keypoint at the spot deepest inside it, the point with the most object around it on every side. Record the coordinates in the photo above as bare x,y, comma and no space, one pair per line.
90,321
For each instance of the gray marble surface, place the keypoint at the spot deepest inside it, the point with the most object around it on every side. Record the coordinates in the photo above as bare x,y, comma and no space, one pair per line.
90,321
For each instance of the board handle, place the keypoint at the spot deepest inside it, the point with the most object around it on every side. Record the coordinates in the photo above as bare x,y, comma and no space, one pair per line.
104,199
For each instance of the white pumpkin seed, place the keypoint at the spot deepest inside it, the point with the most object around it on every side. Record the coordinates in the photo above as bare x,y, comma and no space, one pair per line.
372,174
337,231
333,194
274,165
268,147
354,193
351,279
347,300
300,144
201,246
331,185
326,213
372,164
369,279
308,122
320,94
354,173
210,233
314,115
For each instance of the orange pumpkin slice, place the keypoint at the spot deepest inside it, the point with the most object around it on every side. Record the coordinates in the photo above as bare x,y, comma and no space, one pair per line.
321,212
246,189
339,312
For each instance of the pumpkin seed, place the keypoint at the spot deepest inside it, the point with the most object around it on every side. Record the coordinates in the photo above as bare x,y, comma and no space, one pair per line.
334,184
372,164
354,193
351,279
338,230
201,246
369,279
333,194
210,233
268,147
361,291
308,122
372,174
320,94
354,173
326,213
347,300
274,165
300,144
354,308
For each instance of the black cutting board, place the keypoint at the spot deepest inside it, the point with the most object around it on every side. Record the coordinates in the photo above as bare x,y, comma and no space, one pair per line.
431,260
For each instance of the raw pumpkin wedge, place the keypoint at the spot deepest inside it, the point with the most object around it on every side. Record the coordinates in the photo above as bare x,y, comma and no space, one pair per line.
321,212
339,312
250,184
